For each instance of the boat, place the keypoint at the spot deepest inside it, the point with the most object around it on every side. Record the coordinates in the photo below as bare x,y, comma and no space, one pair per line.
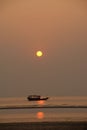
36,98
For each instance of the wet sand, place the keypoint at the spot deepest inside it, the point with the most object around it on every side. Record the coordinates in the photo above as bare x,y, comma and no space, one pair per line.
44,126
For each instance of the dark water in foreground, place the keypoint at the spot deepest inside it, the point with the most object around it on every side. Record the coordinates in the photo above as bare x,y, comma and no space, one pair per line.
27,113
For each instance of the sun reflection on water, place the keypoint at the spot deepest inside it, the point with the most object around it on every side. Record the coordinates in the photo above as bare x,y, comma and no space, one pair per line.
40,115
41,102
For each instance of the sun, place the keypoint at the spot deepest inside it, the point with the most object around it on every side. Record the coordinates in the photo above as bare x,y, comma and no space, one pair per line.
39,53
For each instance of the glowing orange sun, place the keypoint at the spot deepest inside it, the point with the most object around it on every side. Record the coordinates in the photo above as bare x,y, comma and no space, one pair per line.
39,53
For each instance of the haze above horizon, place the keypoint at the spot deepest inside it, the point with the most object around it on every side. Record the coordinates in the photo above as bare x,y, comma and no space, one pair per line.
59,30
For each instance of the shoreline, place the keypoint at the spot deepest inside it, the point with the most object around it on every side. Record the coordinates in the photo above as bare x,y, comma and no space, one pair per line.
63,125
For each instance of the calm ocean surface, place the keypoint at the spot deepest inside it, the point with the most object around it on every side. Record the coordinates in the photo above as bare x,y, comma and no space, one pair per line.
54,109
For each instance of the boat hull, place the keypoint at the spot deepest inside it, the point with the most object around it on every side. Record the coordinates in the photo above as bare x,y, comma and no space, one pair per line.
37,99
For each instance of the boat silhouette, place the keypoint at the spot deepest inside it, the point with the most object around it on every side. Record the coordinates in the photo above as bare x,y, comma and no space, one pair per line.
36,98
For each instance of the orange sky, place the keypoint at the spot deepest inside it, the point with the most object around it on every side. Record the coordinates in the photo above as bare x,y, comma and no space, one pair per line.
59,29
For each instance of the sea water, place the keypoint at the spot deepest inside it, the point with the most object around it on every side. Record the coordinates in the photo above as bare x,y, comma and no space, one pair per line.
54,109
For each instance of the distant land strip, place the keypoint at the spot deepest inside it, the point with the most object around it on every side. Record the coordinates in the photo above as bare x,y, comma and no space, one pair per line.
34,107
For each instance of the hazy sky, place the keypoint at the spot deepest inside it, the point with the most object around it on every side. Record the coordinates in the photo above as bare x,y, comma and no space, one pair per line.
59,29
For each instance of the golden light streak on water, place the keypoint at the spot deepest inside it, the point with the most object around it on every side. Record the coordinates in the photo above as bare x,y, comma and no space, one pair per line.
41,102
40,115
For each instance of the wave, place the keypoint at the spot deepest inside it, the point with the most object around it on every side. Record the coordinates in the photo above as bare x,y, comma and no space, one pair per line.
45,106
